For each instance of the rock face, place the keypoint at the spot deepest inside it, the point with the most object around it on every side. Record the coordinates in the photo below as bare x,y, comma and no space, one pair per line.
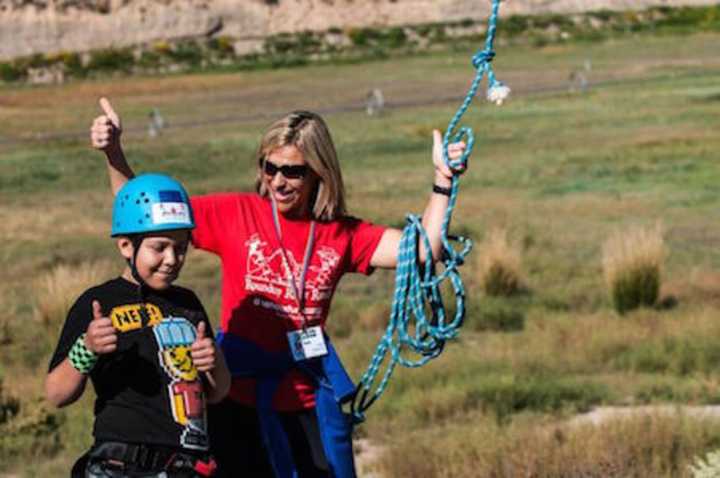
51,26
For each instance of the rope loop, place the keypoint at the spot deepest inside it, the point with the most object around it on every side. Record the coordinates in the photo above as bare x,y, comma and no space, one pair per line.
463,134
482,57
419,324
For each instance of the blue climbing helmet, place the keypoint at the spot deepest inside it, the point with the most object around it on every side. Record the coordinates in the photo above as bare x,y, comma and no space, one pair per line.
151,203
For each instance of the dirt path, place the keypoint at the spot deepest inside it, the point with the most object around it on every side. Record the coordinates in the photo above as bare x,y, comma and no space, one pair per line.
366,455
602,415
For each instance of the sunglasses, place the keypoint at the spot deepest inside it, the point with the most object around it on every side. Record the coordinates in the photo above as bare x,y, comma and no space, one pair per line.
295,171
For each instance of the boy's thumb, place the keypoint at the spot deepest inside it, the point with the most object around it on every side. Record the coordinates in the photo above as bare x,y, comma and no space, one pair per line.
97,310
200,331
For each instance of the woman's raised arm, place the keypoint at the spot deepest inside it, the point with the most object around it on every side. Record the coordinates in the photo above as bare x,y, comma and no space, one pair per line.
385,255
105,135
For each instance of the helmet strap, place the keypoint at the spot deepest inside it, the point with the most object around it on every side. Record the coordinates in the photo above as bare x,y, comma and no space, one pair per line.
137,240
142,286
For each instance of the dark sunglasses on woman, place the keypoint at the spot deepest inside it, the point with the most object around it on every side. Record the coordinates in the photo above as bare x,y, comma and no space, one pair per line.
295,171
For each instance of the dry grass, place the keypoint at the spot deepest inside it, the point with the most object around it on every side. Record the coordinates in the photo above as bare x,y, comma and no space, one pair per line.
500,264
632,265
34,219
645,445
700,286
58,289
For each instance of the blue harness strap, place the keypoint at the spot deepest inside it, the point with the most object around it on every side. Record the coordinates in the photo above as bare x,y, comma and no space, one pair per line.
333,387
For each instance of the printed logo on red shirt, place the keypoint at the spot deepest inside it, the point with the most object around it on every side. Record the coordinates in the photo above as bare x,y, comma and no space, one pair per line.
268,274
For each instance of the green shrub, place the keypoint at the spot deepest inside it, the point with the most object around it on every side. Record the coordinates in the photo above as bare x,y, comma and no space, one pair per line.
288,61
73,65
423,30
513,25
150,59
307,42
33,429
500,265
395,37
223,45
495,315
11,72
361,36
505,396
187,52
9,406
111,59
37,60
632,265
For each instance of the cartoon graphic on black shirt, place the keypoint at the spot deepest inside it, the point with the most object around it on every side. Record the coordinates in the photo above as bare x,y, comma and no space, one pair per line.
174,337
150,389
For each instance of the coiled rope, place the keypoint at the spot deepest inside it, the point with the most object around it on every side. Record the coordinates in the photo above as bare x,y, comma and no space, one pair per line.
417,287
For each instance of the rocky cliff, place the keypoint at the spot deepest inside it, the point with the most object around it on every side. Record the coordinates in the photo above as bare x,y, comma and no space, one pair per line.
49,26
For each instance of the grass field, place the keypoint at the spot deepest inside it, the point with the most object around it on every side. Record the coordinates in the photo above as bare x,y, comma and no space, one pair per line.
560,171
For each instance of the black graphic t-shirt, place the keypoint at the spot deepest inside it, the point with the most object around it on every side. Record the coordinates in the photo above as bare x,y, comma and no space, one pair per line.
148,390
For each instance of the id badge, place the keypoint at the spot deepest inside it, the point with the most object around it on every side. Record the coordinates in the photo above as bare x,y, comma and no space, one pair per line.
308,343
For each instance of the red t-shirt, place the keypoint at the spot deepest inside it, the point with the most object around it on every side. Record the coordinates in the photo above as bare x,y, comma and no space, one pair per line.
258,303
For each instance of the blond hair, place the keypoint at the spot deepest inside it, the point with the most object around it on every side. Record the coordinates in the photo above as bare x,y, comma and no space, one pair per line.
310,135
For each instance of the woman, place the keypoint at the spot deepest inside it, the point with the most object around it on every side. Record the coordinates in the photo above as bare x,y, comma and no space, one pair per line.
283,252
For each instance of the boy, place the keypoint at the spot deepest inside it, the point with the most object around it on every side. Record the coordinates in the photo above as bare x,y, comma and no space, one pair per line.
146,346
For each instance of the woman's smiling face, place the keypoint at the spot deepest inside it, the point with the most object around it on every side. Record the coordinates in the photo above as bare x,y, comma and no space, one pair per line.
291,193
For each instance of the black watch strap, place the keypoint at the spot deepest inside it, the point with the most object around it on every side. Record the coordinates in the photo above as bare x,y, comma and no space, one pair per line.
441,190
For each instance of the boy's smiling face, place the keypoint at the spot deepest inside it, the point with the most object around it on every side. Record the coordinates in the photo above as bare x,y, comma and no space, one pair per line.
160,258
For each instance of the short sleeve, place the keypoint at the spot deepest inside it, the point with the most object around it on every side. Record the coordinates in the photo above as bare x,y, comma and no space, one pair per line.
210,213
76,324
365,238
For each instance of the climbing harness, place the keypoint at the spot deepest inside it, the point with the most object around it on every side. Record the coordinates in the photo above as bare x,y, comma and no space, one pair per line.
417,287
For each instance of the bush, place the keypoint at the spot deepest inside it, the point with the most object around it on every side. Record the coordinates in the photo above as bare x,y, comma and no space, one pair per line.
223,45
9,406
500,265
307,42
73,64
35,428
111,59
395,37
150,59
513,25
11,72
187,52
632,265
505,396
361,36
496,315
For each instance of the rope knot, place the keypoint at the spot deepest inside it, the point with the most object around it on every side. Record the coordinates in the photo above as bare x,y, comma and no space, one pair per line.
482,57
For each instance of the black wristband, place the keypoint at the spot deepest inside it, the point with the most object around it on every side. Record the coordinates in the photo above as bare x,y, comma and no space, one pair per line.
441,190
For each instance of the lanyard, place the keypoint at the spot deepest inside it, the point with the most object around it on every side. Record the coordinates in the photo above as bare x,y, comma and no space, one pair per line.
298,290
